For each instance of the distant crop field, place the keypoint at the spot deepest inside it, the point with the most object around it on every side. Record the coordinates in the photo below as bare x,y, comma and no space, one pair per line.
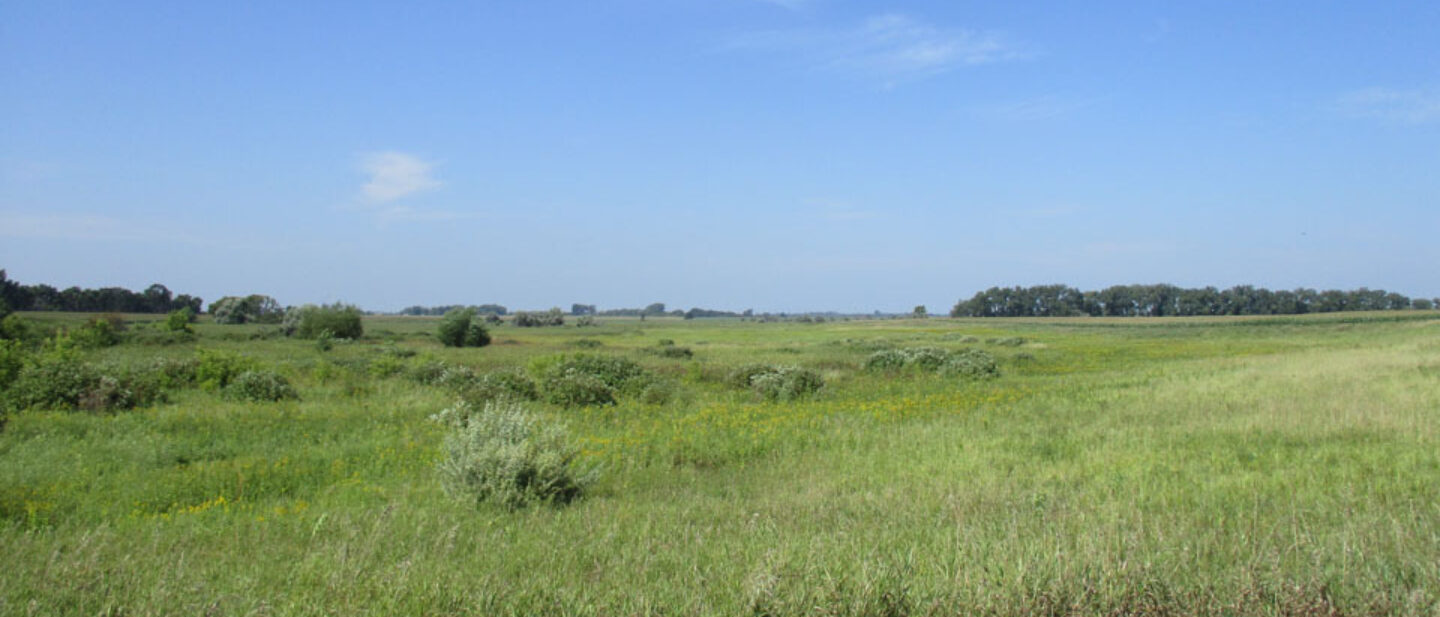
1071,466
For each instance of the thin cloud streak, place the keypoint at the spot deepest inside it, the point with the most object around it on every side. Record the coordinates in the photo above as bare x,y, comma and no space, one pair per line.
891,47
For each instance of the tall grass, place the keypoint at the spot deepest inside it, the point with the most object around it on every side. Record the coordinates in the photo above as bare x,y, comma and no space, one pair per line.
1122,468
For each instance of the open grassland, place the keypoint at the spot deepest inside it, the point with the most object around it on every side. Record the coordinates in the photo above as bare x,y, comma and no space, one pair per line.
1227,466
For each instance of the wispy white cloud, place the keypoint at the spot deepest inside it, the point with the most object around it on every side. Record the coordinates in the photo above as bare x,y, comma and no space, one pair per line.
392,175
1392,105
891,47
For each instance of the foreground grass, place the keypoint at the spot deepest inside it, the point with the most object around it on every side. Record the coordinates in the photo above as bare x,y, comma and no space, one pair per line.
1196,467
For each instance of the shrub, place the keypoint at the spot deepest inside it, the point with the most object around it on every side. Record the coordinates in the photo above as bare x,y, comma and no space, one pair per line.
123,390
885,360
1013,341
174,373
428,372
312,321
666,348
215,368
179,320
260,386
927,359
503,454
386,366
499,385
526,319
461,328
745,373
55,378
511,382
96,333
575,388
586,379
786,383
971,364
456,378
587,343
586,321
15,328
658,392
253,308
325,341
12,361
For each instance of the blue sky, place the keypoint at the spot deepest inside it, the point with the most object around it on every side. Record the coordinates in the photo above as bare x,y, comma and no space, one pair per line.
779,155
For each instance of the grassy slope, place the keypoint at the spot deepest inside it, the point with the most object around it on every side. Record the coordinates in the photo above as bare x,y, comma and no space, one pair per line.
1186,466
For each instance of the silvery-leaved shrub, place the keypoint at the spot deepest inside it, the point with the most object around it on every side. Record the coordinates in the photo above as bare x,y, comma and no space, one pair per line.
503,454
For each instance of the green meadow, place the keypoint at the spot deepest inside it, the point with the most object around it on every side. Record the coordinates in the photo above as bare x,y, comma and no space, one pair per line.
1115,466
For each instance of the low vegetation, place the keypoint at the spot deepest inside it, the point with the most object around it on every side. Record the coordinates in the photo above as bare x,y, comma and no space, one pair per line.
1197,466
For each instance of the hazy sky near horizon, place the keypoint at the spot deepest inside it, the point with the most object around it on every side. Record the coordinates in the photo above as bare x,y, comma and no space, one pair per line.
780,155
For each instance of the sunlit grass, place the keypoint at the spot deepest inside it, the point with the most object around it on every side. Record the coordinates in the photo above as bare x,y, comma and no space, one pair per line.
1183,467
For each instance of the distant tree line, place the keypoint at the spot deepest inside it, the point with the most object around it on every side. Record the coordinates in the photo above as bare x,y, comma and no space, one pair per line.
483,309
653,310
155,299
1169,300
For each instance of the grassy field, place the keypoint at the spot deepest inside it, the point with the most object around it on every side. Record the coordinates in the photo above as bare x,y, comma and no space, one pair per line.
1227,466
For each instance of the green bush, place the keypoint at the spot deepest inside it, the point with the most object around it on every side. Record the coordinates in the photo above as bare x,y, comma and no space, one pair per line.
15,328
260,386
575,388
745,373
885,360
971,364
217,368
97,333
55,378
12,361
918,358
510,383
179,320
58,379
777,383
666,348
461,328
786,383
174,373
505,455
659,392
456,378
427,372
312,321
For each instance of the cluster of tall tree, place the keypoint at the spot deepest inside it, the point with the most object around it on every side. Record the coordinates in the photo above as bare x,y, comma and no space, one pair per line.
155,299
1169,300
483,309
